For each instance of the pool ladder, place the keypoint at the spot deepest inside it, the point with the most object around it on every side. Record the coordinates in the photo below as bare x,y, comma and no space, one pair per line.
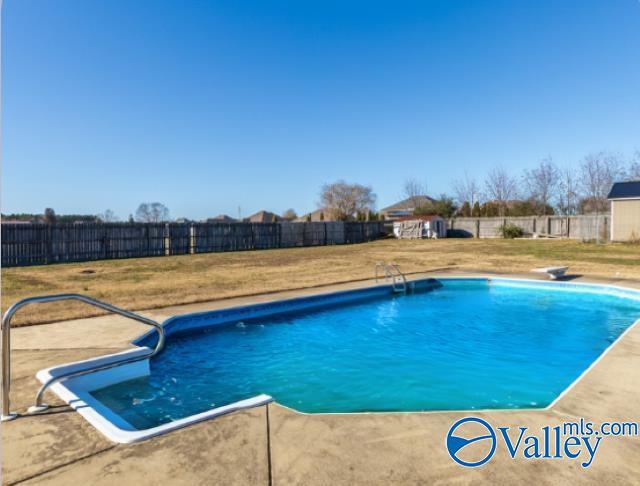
391,271
5,329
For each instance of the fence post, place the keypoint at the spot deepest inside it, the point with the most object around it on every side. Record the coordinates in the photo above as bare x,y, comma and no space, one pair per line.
478,228
549,225
279,232
192,239
104,241
49,257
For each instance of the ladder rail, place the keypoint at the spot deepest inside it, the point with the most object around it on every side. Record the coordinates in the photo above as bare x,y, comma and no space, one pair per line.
5,330
400,275
392,271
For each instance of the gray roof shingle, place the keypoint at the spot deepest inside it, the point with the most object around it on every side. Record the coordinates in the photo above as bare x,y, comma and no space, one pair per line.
625,190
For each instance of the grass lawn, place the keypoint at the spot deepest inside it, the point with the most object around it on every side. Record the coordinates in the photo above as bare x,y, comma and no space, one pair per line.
146,283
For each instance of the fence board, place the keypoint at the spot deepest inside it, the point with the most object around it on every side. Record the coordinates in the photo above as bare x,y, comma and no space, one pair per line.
585,227
38,244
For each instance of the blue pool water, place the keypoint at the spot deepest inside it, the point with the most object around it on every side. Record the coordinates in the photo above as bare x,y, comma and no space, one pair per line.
471,344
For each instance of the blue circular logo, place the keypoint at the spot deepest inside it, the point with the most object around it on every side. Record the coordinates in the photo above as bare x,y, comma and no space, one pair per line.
486,440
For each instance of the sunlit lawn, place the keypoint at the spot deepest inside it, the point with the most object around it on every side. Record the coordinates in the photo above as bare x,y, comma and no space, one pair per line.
145,283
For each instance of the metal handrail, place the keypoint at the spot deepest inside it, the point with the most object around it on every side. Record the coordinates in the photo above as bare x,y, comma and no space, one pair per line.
395,267
388,269
5,329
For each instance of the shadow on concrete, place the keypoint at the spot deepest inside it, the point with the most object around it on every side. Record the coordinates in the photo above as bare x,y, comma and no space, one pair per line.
569,277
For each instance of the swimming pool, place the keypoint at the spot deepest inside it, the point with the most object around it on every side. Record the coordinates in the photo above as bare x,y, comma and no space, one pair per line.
452,344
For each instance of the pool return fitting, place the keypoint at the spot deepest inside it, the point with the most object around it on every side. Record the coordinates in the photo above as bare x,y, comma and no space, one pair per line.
5,329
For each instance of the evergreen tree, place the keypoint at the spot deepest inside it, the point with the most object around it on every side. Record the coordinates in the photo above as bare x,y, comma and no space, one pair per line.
465,210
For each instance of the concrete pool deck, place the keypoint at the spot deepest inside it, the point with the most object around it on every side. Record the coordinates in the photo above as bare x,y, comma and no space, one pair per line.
275,445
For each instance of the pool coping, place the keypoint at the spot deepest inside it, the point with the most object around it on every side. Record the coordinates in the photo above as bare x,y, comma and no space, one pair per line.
116,429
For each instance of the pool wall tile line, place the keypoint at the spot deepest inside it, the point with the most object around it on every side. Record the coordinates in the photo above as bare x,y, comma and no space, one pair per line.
196,321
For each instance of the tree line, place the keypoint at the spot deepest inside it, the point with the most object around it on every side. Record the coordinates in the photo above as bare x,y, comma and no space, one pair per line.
545,189
153,212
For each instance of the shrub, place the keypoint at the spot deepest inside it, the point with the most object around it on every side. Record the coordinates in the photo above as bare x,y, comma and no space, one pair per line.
510,231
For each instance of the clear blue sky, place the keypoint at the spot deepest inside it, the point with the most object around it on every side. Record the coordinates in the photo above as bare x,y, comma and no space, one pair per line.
208,105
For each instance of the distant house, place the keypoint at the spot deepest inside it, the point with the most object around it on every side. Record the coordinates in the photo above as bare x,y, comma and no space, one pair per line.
221,218
322,214
263,217
16,221
406,207
625,211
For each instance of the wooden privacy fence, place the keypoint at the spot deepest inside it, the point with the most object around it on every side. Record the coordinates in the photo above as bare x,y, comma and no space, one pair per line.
41,244
587,227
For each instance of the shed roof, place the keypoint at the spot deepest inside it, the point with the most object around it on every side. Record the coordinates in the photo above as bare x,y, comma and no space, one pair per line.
423,217
625,190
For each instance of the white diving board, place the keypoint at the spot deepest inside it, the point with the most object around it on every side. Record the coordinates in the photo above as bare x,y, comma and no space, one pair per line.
553,272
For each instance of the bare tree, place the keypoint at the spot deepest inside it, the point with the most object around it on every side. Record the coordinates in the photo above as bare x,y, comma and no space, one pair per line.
466,190
346,200
50,216
413,190
500,187
289,215
568,194
107,217
634,167
598,172
152,213
542,184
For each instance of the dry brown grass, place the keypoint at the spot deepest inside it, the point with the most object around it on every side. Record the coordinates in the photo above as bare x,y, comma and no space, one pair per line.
147,283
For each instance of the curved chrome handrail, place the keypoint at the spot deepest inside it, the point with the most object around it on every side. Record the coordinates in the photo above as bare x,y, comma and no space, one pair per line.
5,329
388,274
396,267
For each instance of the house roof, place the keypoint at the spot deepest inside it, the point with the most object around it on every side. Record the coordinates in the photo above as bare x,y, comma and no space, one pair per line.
263,217
222,217
625,190
409,203
327,213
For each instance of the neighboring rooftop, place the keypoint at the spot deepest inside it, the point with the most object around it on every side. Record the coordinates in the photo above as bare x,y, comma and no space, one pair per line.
406,207
322,214
625,190
222,218
409,203
263,217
